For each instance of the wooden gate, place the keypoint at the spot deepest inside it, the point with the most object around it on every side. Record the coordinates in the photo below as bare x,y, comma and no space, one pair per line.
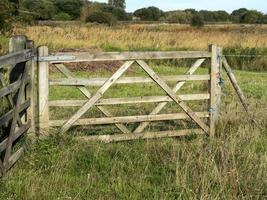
129,58
15,98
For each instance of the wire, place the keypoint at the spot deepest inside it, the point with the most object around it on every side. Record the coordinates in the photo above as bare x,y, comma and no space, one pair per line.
249,56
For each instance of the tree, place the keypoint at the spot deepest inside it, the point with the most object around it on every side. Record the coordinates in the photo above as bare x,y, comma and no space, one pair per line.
70,7
117,3
252,17
197,20
149,14
180,17
43,9
6,17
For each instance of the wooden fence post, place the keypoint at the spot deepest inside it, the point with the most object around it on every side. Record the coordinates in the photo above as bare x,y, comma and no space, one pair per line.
215,86
30,89
18,43
43,91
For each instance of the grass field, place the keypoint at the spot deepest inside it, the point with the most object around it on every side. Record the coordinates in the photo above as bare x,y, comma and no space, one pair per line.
231,166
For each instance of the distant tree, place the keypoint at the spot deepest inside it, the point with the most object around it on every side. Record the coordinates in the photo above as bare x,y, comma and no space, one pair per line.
149,14
43,9
238,14
70,7
102,18
215,16
117,3
6,17
180,17
191,10
197,20
252,17
118,13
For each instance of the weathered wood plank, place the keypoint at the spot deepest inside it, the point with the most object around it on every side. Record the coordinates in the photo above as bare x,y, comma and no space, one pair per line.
97,95
124,56
138,136
126,80
173,95
14,158
43,88
11,88
15,116
83,89
214,82
13,58
130,100
128,119
176,88
8,116
23,129
235,85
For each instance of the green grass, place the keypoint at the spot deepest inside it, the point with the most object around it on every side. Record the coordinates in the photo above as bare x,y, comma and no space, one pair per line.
231,166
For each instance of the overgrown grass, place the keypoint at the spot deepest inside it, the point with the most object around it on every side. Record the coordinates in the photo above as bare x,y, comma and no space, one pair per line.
230,166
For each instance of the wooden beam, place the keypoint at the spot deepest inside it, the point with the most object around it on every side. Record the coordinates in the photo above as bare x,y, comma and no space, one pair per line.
5,118
16,57
15,117
83,89
124,56
126,80
11,88
23,129
130,100
97,96
235,85
43,91
14,158
128,119
139,136
176,88
214,85
174,97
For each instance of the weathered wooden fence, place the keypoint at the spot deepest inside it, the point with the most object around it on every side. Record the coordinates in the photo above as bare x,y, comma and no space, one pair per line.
214,55
16,78
20,111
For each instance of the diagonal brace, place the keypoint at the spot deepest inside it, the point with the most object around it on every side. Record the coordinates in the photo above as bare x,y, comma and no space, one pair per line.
9,98
96,96
177,87
86,92
173,96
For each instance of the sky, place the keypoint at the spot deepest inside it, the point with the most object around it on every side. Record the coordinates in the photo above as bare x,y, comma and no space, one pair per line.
228,5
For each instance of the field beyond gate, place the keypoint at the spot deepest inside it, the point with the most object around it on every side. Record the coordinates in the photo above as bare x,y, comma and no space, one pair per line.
96,107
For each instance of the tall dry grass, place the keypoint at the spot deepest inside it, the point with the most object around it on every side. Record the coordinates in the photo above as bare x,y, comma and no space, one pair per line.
146,37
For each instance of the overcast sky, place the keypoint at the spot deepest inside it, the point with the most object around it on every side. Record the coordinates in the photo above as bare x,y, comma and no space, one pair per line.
228,5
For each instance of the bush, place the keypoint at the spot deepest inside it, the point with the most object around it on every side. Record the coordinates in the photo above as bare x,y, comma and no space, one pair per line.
149,14
197,21
102,18
62,17
179,17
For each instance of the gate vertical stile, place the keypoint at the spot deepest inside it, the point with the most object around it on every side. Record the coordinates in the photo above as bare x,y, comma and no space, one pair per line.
215,86
43,91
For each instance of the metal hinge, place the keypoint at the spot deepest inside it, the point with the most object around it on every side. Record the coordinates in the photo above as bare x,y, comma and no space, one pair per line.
54,58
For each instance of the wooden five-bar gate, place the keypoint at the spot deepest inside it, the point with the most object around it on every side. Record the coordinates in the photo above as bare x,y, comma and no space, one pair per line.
26,67
130,58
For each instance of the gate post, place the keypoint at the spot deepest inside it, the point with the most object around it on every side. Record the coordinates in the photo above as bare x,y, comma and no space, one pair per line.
215,86
18,43
43,91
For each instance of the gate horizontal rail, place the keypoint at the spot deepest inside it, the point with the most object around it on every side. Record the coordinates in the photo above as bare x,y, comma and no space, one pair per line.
124,56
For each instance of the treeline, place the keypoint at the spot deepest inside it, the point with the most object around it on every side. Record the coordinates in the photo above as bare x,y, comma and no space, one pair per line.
241,15
28,11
